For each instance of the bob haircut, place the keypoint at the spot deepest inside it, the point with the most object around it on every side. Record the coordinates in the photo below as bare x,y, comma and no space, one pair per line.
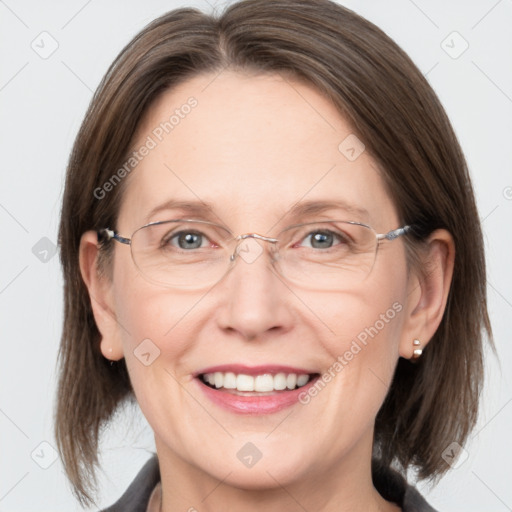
391,108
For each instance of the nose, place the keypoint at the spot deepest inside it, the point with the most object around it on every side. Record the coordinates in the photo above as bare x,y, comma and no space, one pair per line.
255,300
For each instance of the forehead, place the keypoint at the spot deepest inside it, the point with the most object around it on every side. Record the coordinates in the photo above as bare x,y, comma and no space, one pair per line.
251,147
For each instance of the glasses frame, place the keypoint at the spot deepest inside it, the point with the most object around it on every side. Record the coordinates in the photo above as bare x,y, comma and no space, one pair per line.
107,234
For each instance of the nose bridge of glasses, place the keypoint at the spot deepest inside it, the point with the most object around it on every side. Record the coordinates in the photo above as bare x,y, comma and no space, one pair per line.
255,235
250,251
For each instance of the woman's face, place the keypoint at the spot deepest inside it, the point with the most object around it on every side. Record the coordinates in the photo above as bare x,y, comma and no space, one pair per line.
253,148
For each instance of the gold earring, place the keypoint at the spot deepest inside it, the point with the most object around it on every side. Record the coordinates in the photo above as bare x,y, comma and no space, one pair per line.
417,351
111,361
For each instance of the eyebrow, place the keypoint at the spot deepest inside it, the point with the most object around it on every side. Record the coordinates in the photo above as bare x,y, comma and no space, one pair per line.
202,209
306,208
194,208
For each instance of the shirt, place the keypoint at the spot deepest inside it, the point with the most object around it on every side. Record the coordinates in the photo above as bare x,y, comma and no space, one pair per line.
146,487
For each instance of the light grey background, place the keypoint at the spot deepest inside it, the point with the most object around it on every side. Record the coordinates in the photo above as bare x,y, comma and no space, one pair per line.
43,101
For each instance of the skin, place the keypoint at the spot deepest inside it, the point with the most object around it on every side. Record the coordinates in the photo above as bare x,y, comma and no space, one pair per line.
253,147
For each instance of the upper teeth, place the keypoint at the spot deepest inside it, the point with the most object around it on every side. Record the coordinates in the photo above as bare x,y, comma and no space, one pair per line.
260,383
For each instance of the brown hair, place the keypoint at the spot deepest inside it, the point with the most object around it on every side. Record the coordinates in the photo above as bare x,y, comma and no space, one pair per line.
391,107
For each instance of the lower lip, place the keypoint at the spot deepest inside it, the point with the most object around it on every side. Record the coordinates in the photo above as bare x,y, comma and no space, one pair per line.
254,404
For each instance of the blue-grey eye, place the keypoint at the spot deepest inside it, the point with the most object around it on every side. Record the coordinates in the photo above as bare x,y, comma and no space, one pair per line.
321,239
188,240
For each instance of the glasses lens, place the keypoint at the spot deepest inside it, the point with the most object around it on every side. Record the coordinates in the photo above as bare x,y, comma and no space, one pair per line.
181,253
327,255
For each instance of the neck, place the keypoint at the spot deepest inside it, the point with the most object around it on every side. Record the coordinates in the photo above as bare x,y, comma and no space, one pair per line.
340,486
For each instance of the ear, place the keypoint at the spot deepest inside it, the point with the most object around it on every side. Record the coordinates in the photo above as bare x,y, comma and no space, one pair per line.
100,292
428,292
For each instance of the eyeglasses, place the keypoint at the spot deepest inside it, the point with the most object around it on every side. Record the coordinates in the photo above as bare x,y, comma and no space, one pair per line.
195,254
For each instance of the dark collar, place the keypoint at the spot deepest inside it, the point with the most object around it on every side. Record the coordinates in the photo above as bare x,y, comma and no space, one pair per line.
390,484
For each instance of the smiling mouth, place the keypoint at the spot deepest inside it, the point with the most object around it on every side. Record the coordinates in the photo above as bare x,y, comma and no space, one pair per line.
251,385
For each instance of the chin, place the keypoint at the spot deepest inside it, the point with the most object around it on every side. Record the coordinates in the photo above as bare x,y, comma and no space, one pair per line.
261,478
249,468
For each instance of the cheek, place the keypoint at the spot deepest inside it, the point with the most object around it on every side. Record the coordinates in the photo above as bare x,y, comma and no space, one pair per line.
361,333
152,314
145,311
157,335
155,330
365,323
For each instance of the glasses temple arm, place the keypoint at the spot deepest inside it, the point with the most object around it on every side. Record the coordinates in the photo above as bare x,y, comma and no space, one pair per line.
395,233
106,234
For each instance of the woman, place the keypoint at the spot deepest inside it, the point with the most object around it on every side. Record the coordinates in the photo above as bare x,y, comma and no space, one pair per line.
270,242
